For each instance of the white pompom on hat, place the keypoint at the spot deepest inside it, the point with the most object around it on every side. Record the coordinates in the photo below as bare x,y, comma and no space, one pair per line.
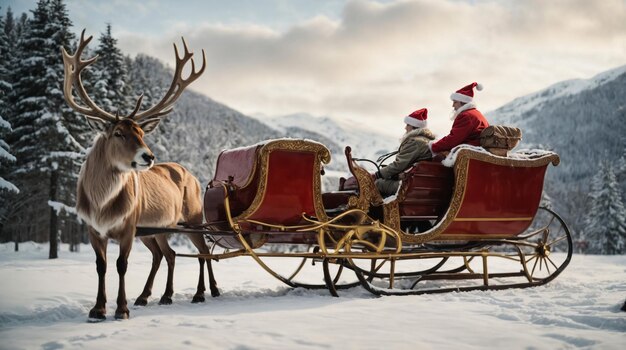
418,118
466,93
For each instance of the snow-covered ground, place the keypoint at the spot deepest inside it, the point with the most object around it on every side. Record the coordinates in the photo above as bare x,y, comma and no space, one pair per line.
44,305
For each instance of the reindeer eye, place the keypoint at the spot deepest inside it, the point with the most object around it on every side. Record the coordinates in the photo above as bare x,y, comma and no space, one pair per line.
117,133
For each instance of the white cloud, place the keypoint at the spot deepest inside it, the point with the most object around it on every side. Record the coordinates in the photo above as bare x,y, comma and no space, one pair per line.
377,62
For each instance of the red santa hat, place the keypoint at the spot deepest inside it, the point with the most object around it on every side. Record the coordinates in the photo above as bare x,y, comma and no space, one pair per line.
417,119
466,93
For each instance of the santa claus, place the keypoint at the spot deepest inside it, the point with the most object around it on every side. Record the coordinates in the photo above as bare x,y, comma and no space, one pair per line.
468,121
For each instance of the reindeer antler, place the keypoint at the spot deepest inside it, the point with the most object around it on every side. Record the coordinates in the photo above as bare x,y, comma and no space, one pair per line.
179,84
73,67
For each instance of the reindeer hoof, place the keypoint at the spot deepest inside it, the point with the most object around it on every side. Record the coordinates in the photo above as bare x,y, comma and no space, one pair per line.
199,298
96,315
141,301
215,292
165,301
122,315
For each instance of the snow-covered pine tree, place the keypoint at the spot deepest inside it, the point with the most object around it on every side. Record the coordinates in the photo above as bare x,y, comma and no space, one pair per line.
148,77
112,89
5,127
43,145
620,172
76,132
605,228
11,30
5,157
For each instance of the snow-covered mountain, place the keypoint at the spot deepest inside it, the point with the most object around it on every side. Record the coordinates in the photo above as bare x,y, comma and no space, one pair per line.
200,128
514,111
583,121
364,143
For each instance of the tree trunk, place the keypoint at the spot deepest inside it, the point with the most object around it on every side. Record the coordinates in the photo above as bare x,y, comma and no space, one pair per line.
53,216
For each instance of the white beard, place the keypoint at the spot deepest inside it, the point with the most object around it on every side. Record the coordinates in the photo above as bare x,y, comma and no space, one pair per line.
461,109
452,114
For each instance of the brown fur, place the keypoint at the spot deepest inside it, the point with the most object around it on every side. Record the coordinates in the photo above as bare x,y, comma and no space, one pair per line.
113,199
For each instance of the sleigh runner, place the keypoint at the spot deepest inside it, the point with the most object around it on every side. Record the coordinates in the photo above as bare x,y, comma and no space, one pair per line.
440,233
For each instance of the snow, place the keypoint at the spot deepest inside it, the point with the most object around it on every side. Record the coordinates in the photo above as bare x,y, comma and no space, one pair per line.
44,305
4,154
522,154
60,208
6,185
5,124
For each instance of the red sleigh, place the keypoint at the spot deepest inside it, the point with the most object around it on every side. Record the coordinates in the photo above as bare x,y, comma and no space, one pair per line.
475,226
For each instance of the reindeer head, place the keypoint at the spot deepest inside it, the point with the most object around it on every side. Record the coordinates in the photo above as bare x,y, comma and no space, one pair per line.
123,136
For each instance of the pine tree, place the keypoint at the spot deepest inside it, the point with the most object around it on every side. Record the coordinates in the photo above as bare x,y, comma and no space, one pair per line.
146,75
605,224
621,172
5,157
5,127
45,149
112,91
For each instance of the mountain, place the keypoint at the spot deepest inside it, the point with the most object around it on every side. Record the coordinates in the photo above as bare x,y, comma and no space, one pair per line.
199,128
581,120
364,143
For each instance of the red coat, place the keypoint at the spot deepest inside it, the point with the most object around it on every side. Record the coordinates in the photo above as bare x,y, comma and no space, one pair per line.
465,129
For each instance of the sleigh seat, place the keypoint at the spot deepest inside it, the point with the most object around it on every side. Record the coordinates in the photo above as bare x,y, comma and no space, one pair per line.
275,183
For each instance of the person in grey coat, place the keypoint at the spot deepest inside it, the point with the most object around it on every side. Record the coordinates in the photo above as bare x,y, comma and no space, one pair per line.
413,148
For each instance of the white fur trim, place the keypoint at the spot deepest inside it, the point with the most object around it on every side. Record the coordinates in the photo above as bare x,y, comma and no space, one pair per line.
415,122
461,98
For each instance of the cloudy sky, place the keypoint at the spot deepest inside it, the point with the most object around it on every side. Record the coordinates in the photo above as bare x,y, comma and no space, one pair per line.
364,61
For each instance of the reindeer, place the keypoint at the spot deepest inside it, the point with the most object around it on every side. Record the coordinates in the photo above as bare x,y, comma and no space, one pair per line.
120,187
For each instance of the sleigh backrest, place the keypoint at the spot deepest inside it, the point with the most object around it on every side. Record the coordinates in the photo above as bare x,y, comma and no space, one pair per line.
289,182
425,191
494,196
274,183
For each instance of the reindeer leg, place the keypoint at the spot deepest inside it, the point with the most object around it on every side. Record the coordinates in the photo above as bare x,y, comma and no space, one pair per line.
157,256
198,241
199,296
99,244
122,313
170,258
215,292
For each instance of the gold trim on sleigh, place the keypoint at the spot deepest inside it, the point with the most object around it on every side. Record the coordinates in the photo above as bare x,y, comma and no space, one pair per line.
391,209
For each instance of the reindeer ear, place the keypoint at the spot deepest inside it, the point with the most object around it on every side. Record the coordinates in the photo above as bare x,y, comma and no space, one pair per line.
96,124
149,125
